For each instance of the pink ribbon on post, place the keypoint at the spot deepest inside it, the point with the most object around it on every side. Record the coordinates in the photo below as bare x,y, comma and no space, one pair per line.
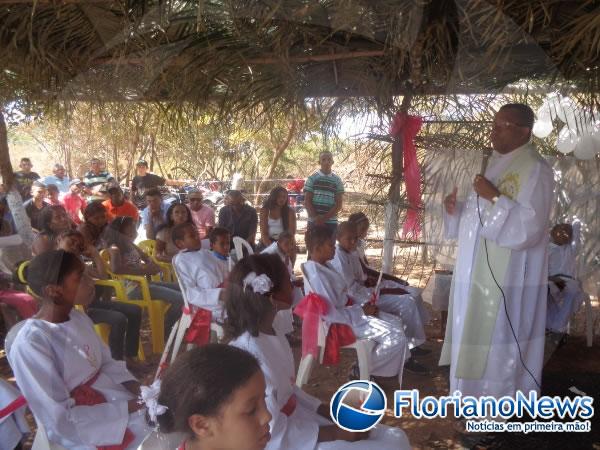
406,127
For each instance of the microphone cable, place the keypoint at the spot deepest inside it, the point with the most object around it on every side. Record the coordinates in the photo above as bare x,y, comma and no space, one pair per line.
512,329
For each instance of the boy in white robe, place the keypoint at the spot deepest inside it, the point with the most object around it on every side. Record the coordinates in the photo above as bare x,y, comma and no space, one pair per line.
565,292
361,222
202,273
394,300
299,420
83,397
367,322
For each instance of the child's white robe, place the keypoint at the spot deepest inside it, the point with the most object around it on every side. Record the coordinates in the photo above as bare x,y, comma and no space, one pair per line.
391,351
284,320
563,304
202,274
49,360
404,306
299,430
12,426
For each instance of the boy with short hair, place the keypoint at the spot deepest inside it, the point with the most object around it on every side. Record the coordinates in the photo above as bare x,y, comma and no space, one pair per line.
284,248
202,273
392,299
367,322
25,178
155,214
73,202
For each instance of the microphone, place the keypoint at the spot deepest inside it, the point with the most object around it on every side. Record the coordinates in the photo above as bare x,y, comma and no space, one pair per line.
487,152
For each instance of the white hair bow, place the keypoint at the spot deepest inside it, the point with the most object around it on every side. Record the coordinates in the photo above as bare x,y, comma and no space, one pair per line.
260,284
149,395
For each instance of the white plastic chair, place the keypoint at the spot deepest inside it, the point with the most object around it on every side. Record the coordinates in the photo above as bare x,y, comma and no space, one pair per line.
185,321
239,244
363,348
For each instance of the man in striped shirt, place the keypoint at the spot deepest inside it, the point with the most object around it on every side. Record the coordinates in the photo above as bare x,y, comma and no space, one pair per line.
324,192
96,178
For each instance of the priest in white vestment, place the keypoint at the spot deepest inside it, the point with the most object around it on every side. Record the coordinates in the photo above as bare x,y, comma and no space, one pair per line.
503,224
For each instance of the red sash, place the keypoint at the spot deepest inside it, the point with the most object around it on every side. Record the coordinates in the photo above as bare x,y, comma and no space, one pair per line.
311,308
86,395
12,407
199,331
289,408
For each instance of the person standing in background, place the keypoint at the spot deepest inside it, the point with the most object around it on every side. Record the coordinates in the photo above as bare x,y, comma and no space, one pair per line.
324,192
24,178
143,182
59,179
96,178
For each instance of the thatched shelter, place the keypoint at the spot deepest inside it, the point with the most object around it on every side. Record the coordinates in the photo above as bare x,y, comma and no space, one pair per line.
241,53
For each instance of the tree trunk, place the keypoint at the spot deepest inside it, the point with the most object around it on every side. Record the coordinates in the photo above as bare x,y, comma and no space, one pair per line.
279,151
392,207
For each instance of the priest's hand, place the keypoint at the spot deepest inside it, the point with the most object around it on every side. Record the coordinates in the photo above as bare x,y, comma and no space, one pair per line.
450,202
485,188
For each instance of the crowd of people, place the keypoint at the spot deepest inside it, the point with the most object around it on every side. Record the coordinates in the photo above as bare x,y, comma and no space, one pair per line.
86,230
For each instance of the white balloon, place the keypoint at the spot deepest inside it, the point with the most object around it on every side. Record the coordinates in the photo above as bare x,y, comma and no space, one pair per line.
543,113
569,112
586,147
566,141
553,101
542,128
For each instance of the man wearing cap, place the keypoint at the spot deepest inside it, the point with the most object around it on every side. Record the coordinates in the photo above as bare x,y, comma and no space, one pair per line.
238,217
117,205
143,182
96,178
202,215
59,179
73,202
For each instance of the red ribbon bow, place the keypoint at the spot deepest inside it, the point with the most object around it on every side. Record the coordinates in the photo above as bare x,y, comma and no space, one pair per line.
198,332
406,127
311,308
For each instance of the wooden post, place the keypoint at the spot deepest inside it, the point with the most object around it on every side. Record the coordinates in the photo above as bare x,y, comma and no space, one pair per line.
392,206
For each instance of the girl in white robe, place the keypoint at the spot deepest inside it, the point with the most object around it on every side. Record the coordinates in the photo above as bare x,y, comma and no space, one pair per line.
258,287
202,273
84,398
347,263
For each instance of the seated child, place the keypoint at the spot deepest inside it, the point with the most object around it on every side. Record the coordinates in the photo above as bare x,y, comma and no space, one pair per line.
13,425
565,292
215,396
367,322
259,287
284,247
394,300
202,273
124,319
83,397
128,259
388,281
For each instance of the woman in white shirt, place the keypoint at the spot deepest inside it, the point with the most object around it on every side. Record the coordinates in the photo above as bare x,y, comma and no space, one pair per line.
275,217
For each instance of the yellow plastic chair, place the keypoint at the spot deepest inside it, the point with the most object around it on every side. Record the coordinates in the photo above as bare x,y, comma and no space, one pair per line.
156,308
23,279
149,247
